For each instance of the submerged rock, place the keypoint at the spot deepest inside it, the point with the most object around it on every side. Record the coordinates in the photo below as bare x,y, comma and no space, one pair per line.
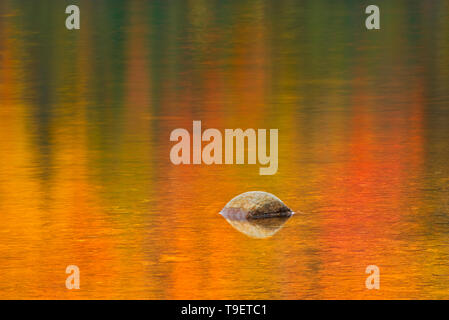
255,205
258,228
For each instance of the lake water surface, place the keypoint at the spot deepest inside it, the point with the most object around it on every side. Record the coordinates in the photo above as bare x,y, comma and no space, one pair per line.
86,177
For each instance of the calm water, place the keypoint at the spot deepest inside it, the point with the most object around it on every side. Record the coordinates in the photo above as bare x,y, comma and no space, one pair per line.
85,176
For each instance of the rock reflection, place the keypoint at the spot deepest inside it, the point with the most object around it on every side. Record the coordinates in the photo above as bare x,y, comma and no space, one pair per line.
257,228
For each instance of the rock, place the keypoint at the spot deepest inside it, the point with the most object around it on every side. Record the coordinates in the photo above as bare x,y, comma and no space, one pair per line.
255,205
258,228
